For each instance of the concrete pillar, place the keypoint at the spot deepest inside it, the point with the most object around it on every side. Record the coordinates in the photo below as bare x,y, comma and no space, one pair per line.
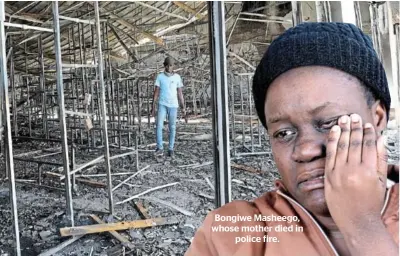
320,10
336,11
343,11
297,16
348,12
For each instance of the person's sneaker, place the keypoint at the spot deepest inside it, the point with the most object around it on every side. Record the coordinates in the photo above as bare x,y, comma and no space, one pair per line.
159,152
171,153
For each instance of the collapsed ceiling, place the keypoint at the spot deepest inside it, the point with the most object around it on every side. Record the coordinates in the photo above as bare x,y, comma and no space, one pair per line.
134,31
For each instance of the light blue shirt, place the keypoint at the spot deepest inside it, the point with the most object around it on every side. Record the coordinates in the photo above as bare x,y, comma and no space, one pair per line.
168,89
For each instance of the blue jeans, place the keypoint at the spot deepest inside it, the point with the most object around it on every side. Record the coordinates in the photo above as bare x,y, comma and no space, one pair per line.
172,116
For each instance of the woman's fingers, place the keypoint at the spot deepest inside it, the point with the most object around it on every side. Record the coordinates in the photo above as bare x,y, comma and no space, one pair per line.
331,148
369,152
356,140
344,140
382,156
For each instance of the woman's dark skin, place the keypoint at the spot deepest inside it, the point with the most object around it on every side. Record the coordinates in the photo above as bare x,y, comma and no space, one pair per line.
302,110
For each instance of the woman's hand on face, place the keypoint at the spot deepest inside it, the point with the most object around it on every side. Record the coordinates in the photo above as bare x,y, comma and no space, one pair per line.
355,174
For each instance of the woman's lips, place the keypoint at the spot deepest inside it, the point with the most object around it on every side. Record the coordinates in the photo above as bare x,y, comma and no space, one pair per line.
311,184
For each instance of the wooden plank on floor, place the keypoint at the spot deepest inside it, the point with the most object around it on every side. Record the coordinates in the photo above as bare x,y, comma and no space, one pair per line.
141,210
99,228
124,241
92,183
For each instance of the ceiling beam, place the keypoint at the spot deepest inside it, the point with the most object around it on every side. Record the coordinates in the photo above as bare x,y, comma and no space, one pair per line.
189,9
162,11
123,44
25,17
120,20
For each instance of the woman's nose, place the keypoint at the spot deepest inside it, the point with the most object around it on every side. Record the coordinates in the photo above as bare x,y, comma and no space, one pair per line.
309,147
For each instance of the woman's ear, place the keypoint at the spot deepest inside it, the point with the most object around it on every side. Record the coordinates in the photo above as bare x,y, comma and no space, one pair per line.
379,116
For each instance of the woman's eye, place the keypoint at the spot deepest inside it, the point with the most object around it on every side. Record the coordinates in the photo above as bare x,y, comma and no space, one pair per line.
284,135
329,124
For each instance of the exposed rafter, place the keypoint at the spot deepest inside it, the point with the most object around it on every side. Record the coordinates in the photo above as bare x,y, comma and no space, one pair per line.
162,11
120,20
123,44
189,9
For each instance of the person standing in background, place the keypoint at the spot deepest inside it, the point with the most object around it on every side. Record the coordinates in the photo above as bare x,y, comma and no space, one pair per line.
168,88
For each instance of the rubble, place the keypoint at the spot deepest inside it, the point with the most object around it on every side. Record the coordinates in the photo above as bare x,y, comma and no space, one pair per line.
193,194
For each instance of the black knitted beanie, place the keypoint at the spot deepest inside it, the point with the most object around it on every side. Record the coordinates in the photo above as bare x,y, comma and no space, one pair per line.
338,45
